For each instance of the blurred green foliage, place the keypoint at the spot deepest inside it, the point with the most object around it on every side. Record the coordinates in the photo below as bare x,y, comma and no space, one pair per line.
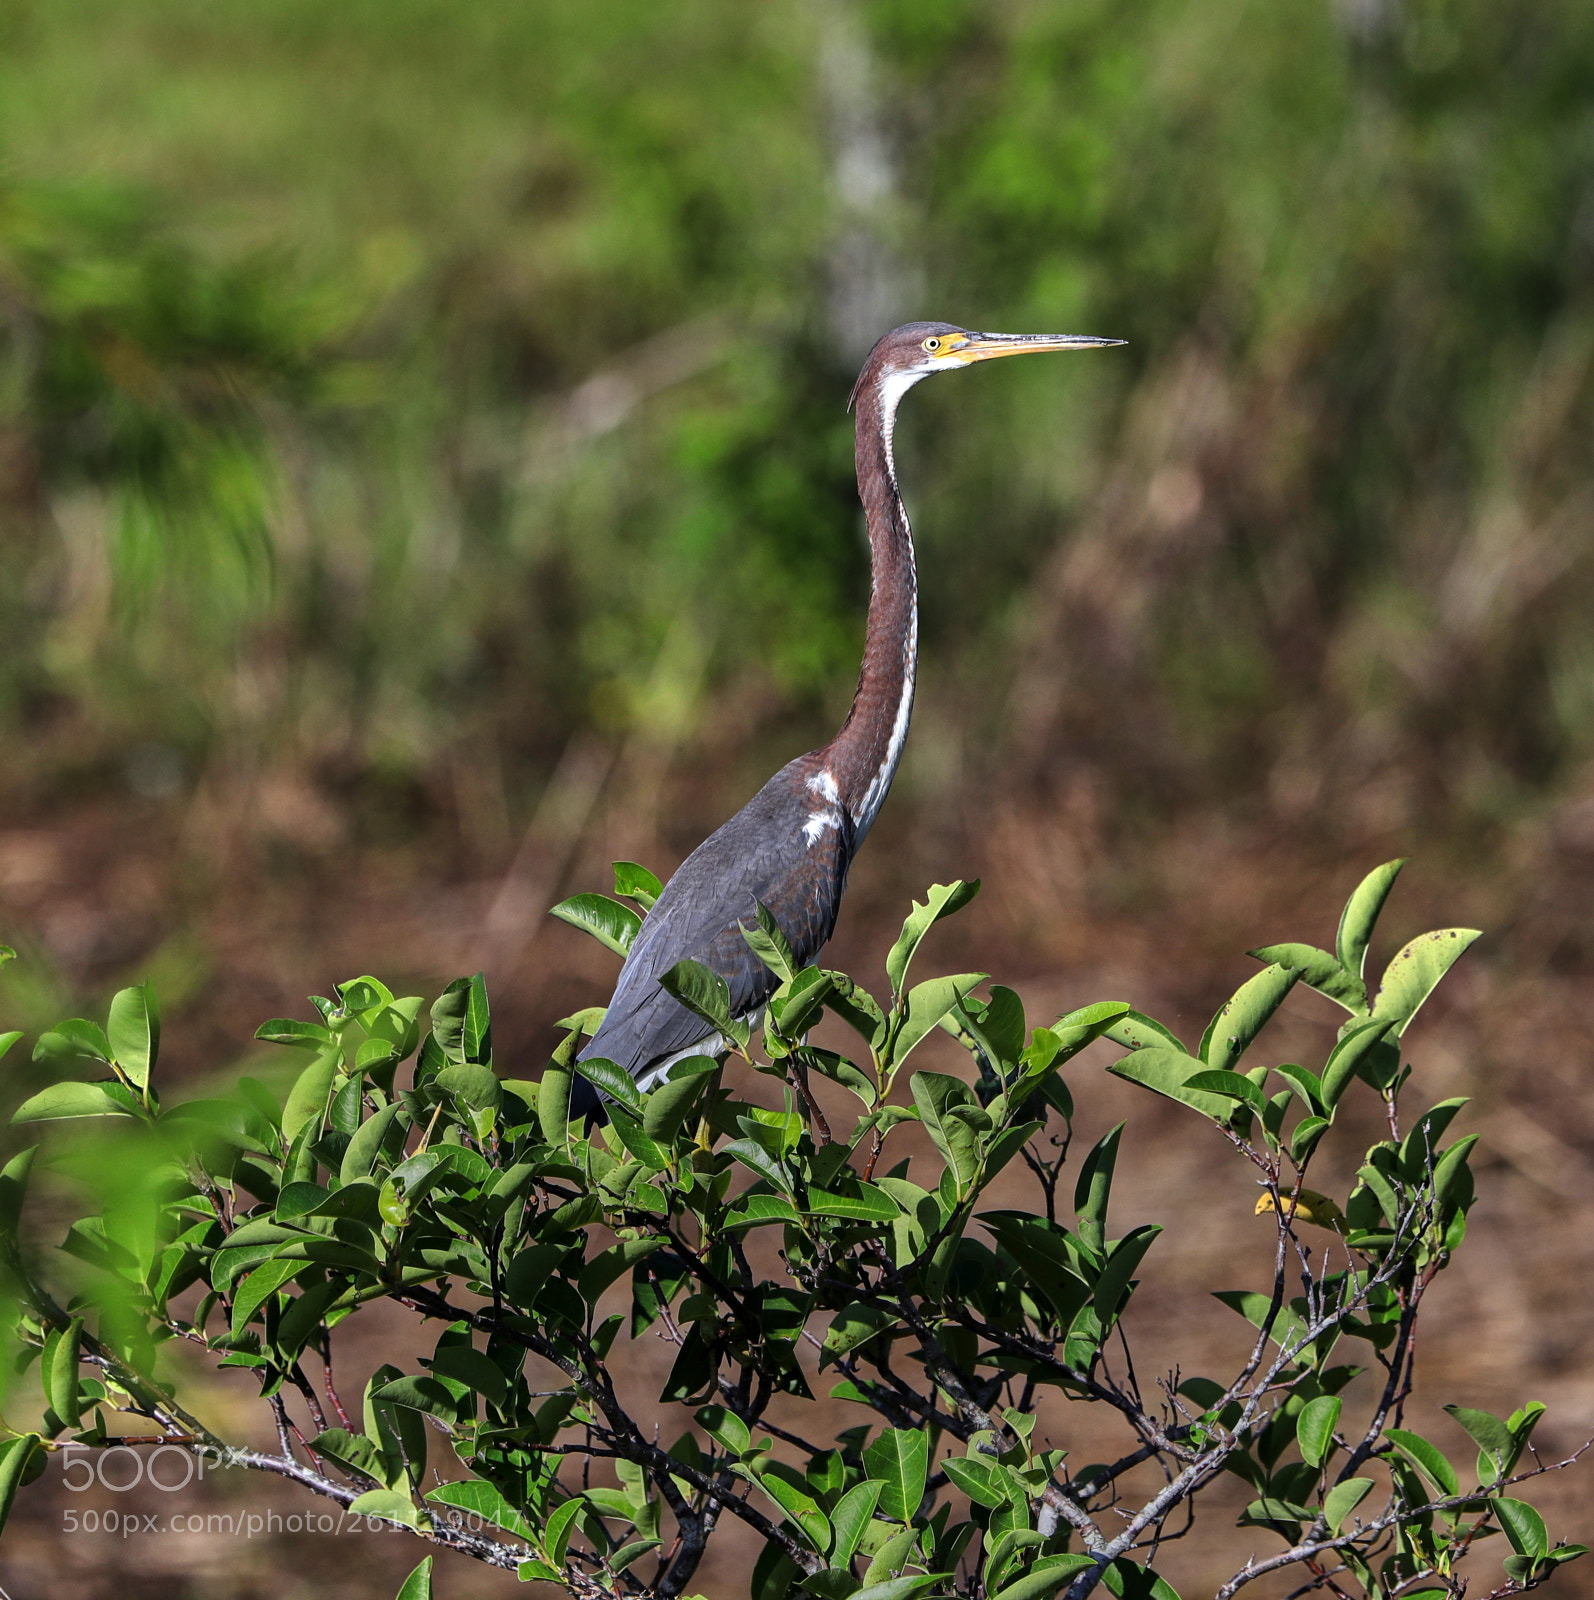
379,379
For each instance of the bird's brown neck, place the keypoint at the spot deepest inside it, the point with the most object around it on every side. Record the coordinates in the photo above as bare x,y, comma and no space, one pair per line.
863,756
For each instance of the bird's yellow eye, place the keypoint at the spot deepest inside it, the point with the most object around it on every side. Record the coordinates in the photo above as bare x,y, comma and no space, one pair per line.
932,344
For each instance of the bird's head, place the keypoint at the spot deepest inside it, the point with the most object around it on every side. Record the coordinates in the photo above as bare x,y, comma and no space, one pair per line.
915,350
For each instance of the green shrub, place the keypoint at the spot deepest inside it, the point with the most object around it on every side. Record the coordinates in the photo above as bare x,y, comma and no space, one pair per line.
252,1230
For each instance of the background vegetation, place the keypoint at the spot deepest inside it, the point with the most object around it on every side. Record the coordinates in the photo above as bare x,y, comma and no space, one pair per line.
423,477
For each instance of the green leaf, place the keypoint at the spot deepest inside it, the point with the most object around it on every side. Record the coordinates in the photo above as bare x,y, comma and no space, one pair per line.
831,1583
669,1105
1415,972
418,1586
556,1532
839,1070
703,992
1135,1031
759,1210
1093,1190
304,1316
852,1326
1306,1085
648,1151
926,1005
60,1381
891,1556
1490,1434
1121,1264
1287,1327
615,1082
1320,971
898,1461
391,1506
553,1104
977,1480
1041,1581
799,1505
759,1161
1231,1085
478,1023
74,1039
13,1191
1361,913
1522,1526
16,1456
1006,1145
1420,1148
467,1365
939,1097
1314,1428
608,1266
637,883
1343,1499
613,925
1243,1016
1448,1168
307,1099
898,1588
726,1428
1348,1056
289,1031
477,1088
769,943
1270,1510
857,1008
351,1450
869,1204
257,1288
366,1143
1005,1546
851,1517
134,1031
1164,1072
1426,1458
68,1100
1303,1140
942,901
637,1548
795,1007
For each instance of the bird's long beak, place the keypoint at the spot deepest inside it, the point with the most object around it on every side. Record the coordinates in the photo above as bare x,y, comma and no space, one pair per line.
988,346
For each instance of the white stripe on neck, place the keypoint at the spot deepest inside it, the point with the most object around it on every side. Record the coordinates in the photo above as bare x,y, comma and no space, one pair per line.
875,795
892,388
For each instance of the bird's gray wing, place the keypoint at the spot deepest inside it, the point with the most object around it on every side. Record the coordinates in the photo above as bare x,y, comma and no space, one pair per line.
766,853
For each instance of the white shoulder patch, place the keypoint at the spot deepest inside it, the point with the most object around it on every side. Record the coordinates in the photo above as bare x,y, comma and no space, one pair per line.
817,823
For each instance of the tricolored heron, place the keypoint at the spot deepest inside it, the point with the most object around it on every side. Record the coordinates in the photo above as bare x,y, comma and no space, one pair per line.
790,846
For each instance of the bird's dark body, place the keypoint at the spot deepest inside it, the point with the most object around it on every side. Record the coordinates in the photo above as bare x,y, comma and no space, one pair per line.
790,846
764,854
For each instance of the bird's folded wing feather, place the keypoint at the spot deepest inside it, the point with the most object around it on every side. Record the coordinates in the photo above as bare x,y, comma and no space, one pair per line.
763,854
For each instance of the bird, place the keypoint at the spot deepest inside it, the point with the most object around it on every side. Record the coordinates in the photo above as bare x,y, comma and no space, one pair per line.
790,847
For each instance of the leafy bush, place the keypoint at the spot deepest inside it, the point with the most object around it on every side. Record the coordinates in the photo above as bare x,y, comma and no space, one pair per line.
252,1230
